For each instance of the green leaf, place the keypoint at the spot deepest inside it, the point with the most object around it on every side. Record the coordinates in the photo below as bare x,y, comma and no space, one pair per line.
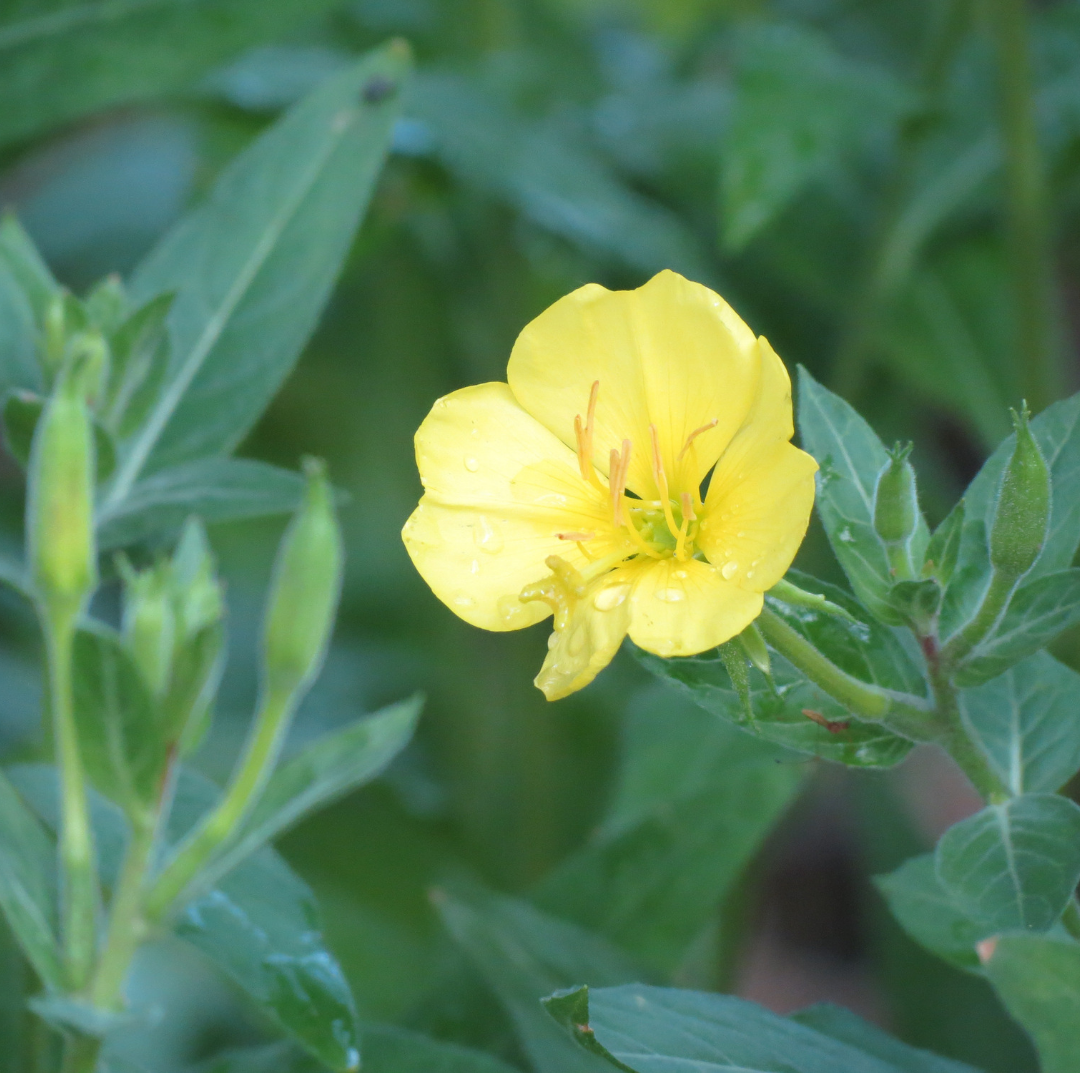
28,884
657,1029
1024,721
123,748
214,489
798,107
388,1048
1014,865
324,771
944,546
1038,611
851,456
259,925
20,256
18,335
926,910
693,801
1038,979
524,955
854,1031
1057,431
555,182
253,267
111,52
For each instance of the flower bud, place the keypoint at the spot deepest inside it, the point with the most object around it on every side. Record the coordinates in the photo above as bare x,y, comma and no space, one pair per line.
53,335
1023,508
305,589
60,497
88,358
896,504
148,624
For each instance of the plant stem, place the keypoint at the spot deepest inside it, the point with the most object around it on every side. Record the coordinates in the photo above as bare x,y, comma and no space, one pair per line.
1028,226
127,927
217,828
79,893
994,603
903,714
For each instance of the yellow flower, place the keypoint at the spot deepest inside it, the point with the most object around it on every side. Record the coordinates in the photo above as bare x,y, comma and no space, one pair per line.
576,486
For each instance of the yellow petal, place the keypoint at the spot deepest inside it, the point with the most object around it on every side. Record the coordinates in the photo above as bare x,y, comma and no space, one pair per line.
761,491
683,608
499,488
591,638
752,527
671,353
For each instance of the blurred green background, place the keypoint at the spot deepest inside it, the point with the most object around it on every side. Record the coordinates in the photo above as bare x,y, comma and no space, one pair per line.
888,191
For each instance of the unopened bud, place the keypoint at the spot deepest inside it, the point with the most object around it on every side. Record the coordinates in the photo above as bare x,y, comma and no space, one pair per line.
148,625
896,504
60,498
199,598
1023,509
88,359
305,589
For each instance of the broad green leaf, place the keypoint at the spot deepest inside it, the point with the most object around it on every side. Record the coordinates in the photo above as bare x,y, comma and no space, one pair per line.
1014,865
1057,431
926,910
214,489
28,884
20,256
557,183
389,1048
693,801
524,955
60,60
259,925
1025,723
324,771
1038,611
124,750
850,456
852,1030
658,1029
1038,979
253,267
799,106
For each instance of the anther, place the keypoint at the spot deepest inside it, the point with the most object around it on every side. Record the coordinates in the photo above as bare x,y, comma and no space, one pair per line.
694,434
575,535
687,507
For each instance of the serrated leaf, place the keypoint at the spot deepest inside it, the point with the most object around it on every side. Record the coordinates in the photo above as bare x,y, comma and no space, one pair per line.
110,53
1038,979
213,489
525,955
694,799
1038,611
1014,865
123,747
851,457
253,267
659,1029
28,896
324,771
924,908
259,924
1025,723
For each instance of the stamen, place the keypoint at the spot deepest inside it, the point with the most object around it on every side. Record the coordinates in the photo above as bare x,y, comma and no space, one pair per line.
680,541
584,435
687,507
694,434
661,480
616,490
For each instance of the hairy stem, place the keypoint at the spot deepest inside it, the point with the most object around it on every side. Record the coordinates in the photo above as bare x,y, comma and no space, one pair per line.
79,875
218,827
1031,264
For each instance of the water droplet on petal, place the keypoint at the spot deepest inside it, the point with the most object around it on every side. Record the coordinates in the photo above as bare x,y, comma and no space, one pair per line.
611,597
729,569
553,639
679,574
475,567
464,601
749,574
670,596
472,464
487,536
510,608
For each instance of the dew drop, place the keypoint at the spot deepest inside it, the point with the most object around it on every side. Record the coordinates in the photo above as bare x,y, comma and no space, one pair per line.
679,574
611,597
464,601
510,608
475,567
749,574
728,570
553,639
487,537
472,464
845,535
670,596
